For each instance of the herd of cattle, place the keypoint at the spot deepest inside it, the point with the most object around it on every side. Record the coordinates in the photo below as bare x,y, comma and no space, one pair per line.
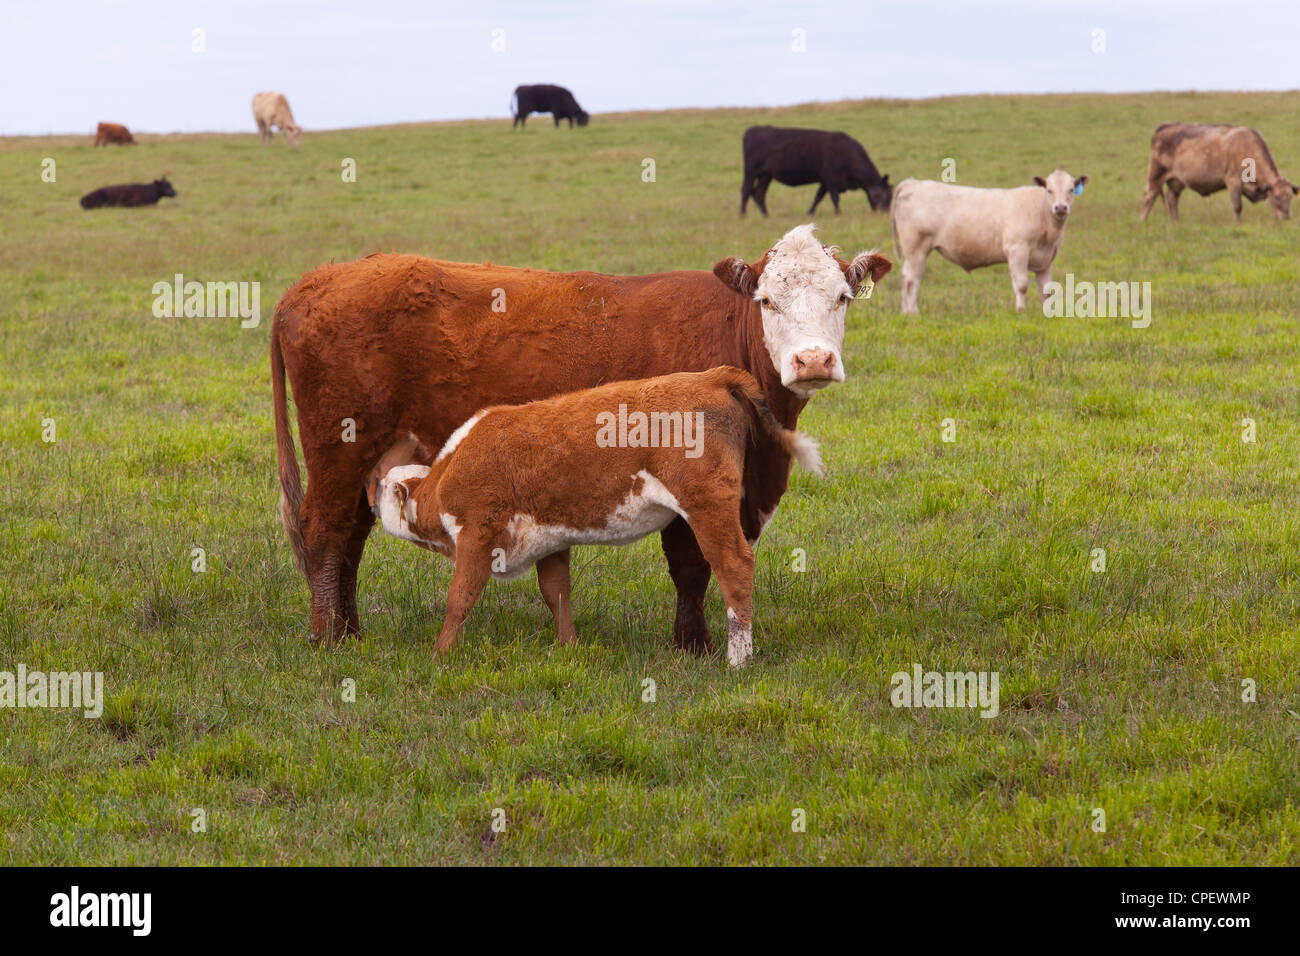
479,439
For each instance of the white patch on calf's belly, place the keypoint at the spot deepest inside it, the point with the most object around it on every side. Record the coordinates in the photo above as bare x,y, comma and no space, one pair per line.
650,510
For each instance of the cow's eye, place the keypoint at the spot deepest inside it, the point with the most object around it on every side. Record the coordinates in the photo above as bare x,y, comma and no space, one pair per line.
765,302
845,298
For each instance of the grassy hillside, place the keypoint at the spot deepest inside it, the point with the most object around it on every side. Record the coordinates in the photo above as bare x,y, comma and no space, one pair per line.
1120,690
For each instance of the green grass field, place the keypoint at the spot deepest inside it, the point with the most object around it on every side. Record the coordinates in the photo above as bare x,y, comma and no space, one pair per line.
1120,691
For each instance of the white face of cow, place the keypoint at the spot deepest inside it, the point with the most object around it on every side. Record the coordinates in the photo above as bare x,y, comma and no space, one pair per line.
803,292
393,503
1061,188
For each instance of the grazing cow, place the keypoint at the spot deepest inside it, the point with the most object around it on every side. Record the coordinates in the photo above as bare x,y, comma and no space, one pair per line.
981,227
107,133
519,485
272,110
546,98
399,344
798,157
1209,158
131,194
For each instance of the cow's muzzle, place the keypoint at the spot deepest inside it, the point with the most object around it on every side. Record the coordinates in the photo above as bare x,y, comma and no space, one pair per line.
814,368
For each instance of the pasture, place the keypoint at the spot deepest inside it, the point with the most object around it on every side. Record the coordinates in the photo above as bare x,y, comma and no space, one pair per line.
1120,690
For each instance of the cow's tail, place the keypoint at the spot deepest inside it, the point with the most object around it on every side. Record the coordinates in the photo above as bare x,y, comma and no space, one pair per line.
286,457
799,446
514,104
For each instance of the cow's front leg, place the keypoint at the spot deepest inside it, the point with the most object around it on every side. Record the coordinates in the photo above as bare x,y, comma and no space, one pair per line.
821,191
690,573
1234,193
1044,276
557,588
1018,263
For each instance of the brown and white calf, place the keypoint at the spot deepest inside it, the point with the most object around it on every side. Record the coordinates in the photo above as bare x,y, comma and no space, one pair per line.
519,485
1206,159
972,227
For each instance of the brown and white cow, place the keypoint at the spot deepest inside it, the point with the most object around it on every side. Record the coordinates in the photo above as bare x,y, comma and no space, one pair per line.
1206,159
972,227
113,133
519,485
399,344
272,110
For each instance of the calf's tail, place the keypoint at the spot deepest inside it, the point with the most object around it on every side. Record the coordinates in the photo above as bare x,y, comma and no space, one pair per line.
802,448
286,457
893,221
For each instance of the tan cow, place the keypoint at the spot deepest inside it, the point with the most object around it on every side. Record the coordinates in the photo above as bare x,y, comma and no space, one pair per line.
1207,159
1022,227
272,110
113,133
519,485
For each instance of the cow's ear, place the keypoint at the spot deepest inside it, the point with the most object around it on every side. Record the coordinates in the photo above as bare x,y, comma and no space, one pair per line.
884,180
1081,181
1040,181
1295,190
737,274
865,264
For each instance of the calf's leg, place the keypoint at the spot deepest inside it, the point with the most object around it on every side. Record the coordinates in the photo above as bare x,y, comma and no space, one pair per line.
724,546
473,568
557,588
690,573
913,272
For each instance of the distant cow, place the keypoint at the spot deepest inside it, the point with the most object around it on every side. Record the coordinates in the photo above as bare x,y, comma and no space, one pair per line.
799,157
573,478
1209,158
113,133
981,227
272,110
547,98
132,194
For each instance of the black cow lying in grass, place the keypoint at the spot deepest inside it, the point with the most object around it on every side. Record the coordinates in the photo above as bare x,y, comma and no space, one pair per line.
131,194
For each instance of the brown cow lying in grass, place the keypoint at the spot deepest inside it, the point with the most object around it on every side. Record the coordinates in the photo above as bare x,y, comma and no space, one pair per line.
113,134
519,485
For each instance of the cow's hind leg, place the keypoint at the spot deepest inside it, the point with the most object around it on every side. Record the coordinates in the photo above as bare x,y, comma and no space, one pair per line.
1155,189
913,273
364,520
327,526
1175,188
557,589
1018,264
821,191
760,191
690,573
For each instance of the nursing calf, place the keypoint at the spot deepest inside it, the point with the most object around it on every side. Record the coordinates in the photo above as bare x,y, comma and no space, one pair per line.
517,486
1022,227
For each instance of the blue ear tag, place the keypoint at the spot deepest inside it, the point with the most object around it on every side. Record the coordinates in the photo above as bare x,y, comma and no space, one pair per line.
1078,189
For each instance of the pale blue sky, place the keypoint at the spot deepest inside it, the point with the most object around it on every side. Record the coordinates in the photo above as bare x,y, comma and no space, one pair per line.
67,65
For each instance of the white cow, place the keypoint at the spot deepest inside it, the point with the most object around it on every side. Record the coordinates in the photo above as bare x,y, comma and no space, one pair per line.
272,110
981,227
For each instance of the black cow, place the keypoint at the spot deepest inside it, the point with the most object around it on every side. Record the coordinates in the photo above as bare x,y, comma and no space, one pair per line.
797,157
546,98
131,194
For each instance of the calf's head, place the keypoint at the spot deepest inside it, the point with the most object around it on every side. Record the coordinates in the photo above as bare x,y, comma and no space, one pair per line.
803,290
164,187
395,506
1279,197
1061,189
294,135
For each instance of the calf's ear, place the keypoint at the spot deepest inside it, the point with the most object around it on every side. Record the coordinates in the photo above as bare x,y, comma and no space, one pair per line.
1295,190
1081,181
737,274
1040,181
865,264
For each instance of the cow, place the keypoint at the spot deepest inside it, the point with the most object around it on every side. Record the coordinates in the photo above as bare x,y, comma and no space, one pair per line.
114,133
131,194
798,157
518,486
272,110
1022,227
1207,158
400,344
546,98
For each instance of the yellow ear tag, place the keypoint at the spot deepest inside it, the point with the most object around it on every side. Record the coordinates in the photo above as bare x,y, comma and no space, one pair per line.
870,286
